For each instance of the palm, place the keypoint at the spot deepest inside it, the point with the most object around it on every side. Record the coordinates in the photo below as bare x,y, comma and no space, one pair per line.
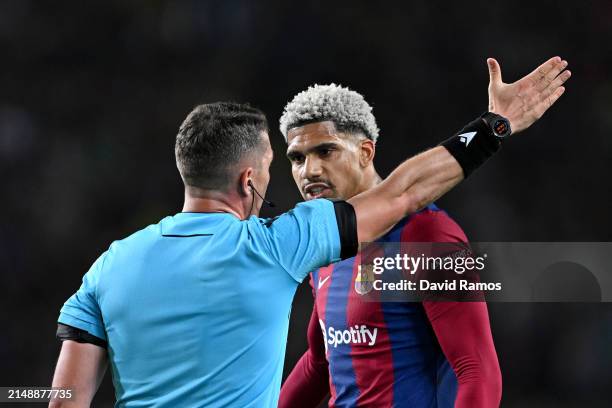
525,101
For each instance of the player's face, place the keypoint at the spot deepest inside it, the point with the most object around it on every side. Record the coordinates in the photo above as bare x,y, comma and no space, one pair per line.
324,162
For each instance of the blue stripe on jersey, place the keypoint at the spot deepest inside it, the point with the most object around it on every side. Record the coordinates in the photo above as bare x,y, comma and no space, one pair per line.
447,384
415,364
396,233
340,361
315,282
433,207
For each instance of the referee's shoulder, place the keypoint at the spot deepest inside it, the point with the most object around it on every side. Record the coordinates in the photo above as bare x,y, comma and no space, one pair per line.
146,234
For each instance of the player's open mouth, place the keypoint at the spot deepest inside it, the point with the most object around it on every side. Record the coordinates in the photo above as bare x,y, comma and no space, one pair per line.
316,190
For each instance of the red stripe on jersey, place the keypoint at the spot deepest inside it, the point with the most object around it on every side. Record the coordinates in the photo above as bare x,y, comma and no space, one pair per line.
373,391
432,226
325,275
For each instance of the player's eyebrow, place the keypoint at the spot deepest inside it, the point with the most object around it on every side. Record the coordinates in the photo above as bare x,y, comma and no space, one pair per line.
293,153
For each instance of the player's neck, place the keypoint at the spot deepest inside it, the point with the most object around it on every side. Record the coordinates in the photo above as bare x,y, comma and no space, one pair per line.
372,179
207,201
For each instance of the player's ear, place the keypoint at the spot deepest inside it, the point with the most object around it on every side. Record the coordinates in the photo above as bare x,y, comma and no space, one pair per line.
244,181
367,152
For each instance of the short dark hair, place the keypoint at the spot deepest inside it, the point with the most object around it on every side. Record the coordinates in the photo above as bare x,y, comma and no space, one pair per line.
213,138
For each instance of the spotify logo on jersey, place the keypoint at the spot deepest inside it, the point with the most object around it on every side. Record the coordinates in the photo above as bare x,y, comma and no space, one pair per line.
358,334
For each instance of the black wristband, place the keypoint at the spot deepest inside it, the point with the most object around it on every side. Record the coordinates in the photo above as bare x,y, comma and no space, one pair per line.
472,145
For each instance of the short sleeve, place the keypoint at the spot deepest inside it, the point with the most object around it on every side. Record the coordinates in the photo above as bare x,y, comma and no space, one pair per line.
309,236
82,310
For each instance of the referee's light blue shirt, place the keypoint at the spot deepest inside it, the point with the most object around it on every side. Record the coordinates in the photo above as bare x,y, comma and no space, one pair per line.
195,309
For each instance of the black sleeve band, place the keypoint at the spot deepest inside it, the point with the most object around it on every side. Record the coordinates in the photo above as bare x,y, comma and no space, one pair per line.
347,226
65,332
472,145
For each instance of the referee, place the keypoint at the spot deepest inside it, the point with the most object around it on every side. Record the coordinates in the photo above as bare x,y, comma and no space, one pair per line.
193,311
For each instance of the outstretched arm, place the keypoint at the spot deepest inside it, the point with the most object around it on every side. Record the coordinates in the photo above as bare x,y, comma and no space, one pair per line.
427,176
80,367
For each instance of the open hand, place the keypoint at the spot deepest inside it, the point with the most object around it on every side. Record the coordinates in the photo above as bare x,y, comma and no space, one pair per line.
525,101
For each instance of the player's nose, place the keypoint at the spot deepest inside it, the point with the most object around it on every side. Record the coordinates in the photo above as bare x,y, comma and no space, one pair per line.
312,168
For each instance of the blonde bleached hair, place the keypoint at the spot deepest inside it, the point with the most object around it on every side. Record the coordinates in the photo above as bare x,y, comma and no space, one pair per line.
346,108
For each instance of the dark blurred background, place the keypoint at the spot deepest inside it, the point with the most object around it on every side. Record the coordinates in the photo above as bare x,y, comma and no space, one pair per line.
92,94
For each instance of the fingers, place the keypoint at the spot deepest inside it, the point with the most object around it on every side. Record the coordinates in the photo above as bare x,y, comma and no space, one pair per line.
539,74
549,101
548,79
556,83
494,72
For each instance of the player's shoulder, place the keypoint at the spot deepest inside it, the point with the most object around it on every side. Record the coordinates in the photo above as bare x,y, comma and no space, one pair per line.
432,215
431,224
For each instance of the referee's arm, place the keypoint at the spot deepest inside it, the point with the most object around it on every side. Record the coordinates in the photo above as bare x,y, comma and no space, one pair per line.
411,186
425,177
80,368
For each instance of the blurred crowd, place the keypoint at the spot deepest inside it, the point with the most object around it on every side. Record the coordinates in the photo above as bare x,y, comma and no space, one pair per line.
92,93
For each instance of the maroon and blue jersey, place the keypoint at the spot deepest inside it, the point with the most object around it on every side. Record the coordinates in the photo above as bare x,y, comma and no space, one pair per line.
384,354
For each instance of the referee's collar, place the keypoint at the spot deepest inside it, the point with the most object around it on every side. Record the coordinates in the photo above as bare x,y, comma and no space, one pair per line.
190,224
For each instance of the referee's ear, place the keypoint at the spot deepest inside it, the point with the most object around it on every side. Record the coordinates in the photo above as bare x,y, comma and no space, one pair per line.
367,152
245,177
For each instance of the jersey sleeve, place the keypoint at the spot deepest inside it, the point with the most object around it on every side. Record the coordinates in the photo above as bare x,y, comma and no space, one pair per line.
313,234
472,355
308,382
81,310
